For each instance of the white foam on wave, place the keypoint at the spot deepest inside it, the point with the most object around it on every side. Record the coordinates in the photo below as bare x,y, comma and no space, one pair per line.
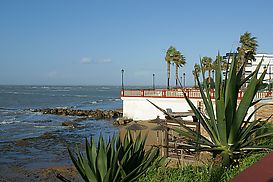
37,126
9,122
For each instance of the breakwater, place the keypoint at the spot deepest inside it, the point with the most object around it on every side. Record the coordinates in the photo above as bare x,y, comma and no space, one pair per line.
96,114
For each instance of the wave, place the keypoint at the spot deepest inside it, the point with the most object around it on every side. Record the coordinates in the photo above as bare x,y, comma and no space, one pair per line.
38,126
92,102
43,121
5,122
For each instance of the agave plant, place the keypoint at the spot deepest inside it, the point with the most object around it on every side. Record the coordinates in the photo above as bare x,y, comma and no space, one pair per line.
115,160
229,125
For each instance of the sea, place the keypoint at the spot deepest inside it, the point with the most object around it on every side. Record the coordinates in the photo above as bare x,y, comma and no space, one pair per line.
31,139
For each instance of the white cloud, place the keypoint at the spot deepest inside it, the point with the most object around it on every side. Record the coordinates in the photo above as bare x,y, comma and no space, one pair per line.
86,60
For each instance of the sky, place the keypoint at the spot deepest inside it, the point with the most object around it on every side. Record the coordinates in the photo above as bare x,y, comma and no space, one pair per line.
86,42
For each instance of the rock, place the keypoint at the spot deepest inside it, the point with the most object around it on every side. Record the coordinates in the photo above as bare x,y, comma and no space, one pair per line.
70,123
98,114
122,121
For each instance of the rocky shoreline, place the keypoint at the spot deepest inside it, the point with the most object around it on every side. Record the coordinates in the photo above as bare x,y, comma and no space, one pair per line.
96,114
86,114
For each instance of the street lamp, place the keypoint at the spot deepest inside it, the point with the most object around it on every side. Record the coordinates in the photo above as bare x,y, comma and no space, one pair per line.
184,75
122,84
153,81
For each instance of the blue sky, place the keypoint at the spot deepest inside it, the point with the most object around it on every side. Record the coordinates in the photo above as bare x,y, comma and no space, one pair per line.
85,42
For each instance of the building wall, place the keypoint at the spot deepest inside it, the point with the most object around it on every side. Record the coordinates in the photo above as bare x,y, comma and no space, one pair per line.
138,108
267,61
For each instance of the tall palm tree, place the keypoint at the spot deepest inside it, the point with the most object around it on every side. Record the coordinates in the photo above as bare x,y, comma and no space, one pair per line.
246,51
248,48
179,60
169,58
207,64
196,73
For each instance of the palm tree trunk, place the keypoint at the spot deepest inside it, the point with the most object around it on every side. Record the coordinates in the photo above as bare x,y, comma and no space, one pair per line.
209,79
195,81
168,74
176,75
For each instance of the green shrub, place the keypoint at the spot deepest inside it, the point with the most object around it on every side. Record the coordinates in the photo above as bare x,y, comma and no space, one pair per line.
204,173
115,160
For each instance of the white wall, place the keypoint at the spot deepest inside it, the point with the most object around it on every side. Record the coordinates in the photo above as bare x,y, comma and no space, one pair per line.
138,108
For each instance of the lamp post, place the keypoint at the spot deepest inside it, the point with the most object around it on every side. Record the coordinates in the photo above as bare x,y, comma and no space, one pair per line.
184,76
122,84
181,81
153,81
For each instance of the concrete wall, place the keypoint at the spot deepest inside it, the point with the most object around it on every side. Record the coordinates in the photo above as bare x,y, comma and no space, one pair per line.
138,108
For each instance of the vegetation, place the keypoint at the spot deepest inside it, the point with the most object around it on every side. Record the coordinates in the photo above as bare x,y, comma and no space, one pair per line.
175,57
179,60
207,65
204,173
231,133
196,73
248,48
115,160
168,58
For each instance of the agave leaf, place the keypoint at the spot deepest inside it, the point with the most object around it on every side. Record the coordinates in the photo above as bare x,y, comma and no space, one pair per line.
267,148
199,117
231,94
91,176
258,137
201,140
211,122
205,123
255,102
101,159
91,154
77,165
107,176
208,103
123,174
138,142
220,103
245,104
126,155
252,114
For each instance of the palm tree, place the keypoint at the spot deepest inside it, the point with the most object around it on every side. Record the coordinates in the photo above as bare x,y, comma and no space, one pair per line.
196,72
248,48
207,64
179,60
247,51
169,58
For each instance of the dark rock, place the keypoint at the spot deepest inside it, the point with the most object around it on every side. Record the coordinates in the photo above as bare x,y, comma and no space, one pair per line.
98,114
70,123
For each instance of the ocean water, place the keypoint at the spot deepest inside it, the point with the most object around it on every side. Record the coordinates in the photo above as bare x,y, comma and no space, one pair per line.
25,135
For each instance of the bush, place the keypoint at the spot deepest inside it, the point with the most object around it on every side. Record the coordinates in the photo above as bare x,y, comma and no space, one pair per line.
115,160
205,173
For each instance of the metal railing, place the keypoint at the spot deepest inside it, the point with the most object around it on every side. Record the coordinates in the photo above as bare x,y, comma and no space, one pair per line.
179,93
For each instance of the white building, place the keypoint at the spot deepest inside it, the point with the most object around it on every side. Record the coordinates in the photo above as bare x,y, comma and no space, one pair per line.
251,65
267,60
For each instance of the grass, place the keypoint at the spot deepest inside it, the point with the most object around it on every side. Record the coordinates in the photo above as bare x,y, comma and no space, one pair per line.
205,173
